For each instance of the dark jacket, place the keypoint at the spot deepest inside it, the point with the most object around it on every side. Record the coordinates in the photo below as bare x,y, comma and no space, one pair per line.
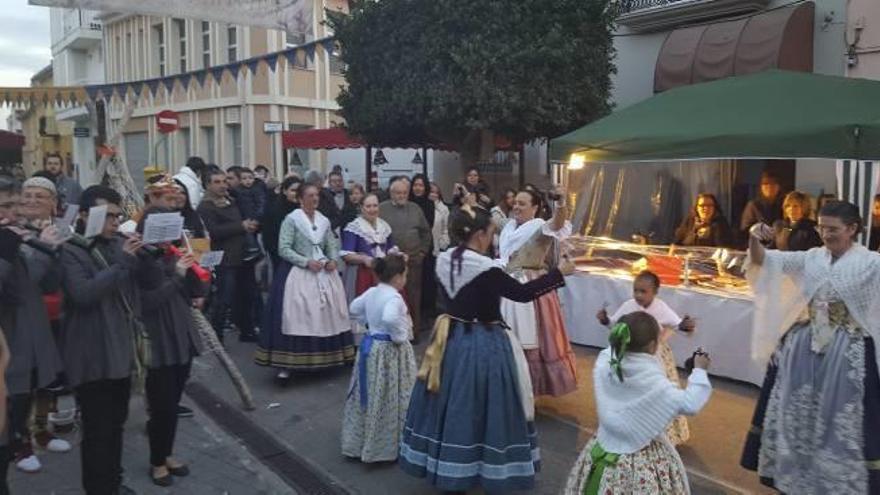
96,332
760,210
251,201
165,299
223,220
327,206
798,237
68,189
25,321
716,233
271,224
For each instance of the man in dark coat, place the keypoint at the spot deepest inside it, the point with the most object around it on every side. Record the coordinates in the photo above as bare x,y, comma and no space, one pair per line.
236,281
98,337
25,274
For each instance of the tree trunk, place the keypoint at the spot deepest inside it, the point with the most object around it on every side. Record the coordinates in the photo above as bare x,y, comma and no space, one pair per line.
477,147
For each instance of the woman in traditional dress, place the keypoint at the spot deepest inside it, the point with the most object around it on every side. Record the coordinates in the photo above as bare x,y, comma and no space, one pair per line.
524,246
365,239
635,401
816,427
470,419
419,193
385,371
307,327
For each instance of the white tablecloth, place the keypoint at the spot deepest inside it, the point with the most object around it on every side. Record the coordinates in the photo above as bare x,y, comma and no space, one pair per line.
724,324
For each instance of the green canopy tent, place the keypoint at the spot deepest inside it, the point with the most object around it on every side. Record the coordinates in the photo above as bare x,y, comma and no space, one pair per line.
771,114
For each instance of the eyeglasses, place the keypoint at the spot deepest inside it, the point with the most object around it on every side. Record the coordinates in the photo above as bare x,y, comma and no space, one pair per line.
120,217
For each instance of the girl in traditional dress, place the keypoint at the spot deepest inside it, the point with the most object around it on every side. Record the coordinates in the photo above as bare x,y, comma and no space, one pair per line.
636,402
523,247
364,240
385,370
645,287
307,327
816,427
470,419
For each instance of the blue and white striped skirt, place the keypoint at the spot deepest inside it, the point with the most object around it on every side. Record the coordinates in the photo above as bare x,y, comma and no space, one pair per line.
473,431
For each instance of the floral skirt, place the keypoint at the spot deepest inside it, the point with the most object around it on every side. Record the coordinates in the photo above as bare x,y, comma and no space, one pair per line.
816,427
677,432
655,470
373,434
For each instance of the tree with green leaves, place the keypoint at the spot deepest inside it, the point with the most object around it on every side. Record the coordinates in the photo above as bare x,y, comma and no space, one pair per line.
461,72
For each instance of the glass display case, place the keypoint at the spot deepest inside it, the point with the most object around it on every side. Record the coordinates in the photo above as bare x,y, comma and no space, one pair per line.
712,270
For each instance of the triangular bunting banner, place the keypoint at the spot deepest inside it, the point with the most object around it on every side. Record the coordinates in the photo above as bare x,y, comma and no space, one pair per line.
153,85
92,91
121,90
201,76
272,60
137,88
252,65
329,46
185,80
290,55
217,73
234,69
168,82
310,52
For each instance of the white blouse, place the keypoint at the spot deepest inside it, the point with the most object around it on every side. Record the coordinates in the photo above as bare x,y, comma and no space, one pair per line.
383,310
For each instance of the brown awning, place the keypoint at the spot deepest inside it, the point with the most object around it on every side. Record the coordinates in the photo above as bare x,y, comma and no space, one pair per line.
777,39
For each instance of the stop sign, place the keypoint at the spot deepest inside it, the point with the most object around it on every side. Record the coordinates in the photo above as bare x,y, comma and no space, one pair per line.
167,121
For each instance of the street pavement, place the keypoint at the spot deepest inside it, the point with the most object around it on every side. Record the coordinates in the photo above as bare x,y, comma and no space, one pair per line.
302,421
219,463
306,415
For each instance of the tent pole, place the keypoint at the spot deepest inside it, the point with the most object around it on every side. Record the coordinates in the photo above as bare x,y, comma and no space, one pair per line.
425,161
368,167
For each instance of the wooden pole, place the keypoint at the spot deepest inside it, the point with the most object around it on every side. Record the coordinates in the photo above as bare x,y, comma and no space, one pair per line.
368,167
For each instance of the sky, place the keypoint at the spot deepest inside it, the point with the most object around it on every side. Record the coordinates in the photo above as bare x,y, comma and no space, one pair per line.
25,47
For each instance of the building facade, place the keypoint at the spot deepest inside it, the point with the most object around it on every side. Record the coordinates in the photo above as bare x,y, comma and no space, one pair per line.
223,123
77,60
43,133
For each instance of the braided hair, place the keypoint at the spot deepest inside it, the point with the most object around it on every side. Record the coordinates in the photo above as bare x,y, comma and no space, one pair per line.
465,222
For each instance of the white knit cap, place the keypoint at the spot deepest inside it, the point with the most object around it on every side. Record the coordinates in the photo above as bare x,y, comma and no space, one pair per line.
42,183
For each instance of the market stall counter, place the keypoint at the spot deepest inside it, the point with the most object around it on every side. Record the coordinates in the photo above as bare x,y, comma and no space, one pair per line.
705,284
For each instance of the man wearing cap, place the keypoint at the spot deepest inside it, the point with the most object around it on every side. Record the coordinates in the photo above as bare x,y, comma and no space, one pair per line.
26,277
67,189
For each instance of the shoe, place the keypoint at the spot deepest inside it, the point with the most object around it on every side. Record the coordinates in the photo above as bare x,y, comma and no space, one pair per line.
247,337
179,471
163,481
184,412
52,443
28,464
283,375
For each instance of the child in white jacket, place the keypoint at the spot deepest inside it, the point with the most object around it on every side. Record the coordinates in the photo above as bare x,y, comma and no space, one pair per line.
635,402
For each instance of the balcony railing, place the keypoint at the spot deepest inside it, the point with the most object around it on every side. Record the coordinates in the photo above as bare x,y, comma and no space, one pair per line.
656,15
80,19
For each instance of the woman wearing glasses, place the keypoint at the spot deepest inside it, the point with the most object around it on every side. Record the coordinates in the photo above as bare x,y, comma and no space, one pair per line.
816,428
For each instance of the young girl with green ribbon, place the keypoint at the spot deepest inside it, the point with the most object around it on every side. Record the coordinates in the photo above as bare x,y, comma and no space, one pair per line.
630,452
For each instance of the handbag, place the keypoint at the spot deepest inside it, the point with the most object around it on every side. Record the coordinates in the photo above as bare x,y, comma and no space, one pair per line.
141,345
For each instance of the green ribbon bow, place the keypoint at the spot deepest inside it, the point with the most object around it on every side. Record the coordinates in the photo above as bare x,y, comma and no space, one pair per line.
619,340
600,459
